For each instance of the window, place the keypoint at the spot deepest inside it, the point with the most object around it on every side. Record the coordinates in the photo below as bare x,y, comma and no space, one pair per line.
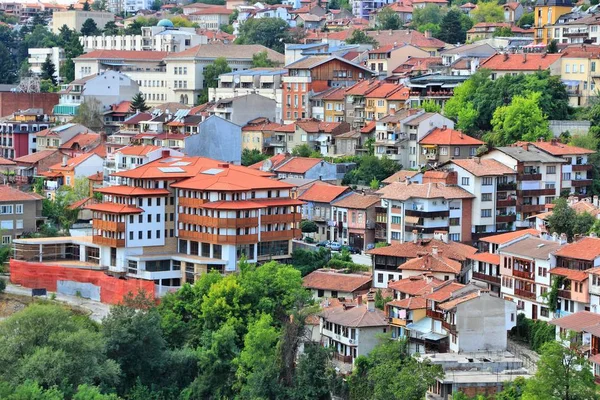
140,235
486,213
6,239
19,209
454,222
334,294
396,220
465,181
544,312
443,151
568,69
379,278
19,224
149,217
551,169
455,237
566,176
457,151
486,197
320,293
487,181
149,235
8,225
6,209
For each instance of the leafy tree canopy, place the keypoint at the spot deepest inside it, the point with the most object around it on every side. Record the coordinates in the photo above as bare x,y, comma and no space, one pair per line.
253,156
488,12
261,60
388,19
270,32
359,36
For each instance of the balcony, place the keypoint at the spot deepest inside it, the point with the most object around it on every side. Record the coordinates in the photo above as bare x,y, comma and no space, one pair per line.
581,167
505,218
218,222
109,225
191,202
104,241
344,359
431,156
506,202
280,218
565,294
280,235
448,326
218,239
507,186
529,177
581,182
434,314
536,192
525,293
523,274
529,208
397,321
427,214
486,278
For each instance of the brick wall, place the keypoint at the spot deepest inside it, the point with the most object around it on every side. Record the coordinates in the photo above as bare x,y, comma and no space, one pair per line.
466,220
11,102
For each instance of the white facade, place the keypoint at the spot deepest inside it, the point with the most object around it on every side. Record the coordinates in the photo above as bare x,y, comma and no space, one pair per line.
153,38
38,56
129,6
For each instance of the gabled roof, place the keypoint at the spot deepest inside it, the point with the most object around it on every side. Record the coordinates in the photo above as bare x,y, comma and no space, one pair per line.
400,176
444,292
137,150
320,193
310,62
9,193
571,274
528,153
520,62
122,190
587,248
485,167
357,201
560,149
454,250
409,303
406,190
486,258
532,247
230,179
355,317
449,305
71,163
298,165
416,285
432,263
36,157
241,51
503,238
137,118
83,139
275,161
326,279
449,137
578,321
408,36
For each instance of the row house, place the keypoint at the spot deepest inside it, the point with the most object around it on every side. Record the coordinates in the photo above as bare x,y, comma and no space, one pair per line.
579,72
442,144
435,87
371,100
259,134
385,59
521,63
494,207
129,128
538,180
576,28
328,105
318,135
55,137
317,208
386,260
332,283
314,74
525,272
18,132
285,166
176,218
354,216
421,210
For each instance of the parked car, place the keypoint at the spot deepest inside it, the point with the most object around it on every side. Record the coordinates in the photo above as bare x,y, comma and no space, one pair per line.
324,243
351,250
370,246
335,246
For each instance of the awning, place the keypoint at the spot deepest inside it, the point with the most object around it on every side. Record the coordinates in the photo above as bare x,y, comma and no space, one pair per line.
429,146
567,82
433,336
411,220
422,326
322,138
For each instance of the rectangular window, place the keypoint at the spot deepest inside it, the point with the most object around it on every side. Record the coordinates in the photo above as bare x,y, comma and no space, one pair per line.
551,169
487,181
486,213
6,225
19,209
443,151
396,220
486,197
6,239
6,209
149,235
457,151
566,176
19,224
454,222
455,237
465,181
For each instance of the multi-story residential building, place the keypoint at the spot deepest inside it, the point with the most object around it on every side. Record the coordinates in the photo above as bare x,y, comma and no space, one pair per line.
391,135
317,207
352,331
38,56
130,157
525,63
524,270
364,8
432,87
266,82
18,132
116,115
244,108
109,88
126,133
86,142
580,71
69,169
487,30
444,144
576,171
413,37
74,19
211,18
332,283
386,260
318,135
512,12
575,263
20,213
55,137
384,98
435,264
416,128
356,102
314,74
546,13
31,165
421,210
332,103
494,206
128,6
355,219
259,134
383,60
538,177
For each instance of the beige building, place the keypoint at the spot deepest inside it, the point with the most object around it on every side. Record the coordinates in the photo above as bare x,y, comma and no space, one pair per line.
580,72
211,18
20,212
385,59
74,19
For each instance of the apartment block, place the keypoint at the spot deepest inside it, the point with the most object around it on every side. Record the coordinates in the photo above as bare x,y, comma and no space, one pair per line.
18,132
355,216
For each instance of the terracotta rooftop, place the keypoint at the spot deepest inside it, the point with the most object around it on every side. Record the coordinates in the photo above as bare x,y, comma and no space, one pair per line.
137,150
587,248
571,274
532,247
113,208
298,165
355,317
357,201
71,163
275,161
484,167
447,136
443,293
432,263
121,190
36,157
454,250
320,193
408,36
416,285
400,176
5,162
406,190
230,179
335,280
449,305
560,149
242,51
368,128
486,258
510,236
8,193
213,11
83,140
409,303
520,62
578,321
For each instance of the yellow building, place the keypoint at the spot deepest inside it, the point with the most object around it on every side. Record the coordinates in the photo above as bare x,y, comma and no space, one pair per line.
382,99
259,134
547,13
580,72
334,102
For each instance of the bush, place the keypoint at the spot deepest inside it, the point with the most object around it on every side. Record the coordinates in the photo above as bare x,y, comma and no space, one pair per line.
534,333
2,285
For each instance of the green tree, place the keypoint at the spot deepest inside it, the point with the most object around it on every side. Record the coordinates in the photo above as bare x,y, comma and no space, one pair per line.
434,29
467,118
138,103
503,31
359,36
29,390
270,32
90,114
388,19
8,71
52,346
211,76
562,218
430,14
451,28
99,5
583,223
312,376
111,28
261,60
87,392
250,157
522,119
156,5
48,70
430,106
86,6
552,47
488,12
527,19
562,374
89,28
302,150
307,226
369,168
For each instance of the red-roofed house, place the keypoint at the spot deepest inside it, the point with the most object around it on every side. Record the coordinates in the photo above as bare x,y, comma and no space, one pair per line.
384,59
526,63
81,143
130,157
318,135
317,207
331,283
68,170
355,220
211,17
512,12
445,144
259,134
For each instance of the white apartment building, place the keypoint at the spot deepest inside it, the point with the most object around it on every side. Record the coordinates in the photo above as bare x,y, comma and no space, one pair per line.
128,6
74,19
38,56
131,157
525,269
538,177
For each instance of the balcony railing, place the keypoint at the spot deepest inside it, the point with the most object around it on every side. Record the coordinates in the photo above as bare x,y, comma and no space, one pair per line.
506,218
191,202
581,182
427,214
218,222
218,239
581,167
448,326
529,177
109,225
507,186
435,314
523,274
536,192
506,202
397,321
342,358
527,208
104,241
486,278
525,293
565,294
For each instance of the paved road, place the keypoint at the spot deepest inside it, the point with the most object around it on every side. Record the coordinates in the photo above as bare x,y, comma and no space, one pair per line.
364,259
97,310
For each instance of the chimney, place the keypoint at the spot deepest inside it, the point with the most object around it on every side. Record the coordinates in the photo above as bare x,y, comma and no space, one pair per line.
505,56
525,146
165,153
370,301
477,160
64,161
415,235
392,111
434,250
223,165
428,34
444,127
555,237
563,238
524,58
595,201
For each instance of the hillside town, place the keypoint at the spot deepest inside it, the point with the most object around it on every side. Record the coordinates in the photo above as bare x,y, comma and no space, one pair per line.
299,200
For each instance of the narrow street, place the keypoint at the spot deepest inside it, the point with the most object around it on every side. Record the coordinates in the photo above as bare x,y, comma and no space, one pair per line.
530,358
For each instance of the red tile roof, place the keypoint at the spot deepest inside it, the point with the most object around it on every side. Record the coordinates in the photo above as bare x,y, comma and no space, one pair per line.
113,208
416,285
432,263
408,36
219,10
409,303
407,190
357,201
571,274
400,176
447,136
326,279
578,321
121,190
454,250
251,204
510,236
320,193
368,128
83,139
275,161
484,167
559,149
355,317
449,305
8,193
36,157
137,150
520,62
71,163
587,248
298,165
122,107
230,179
443,293
383,91
4,162
486,258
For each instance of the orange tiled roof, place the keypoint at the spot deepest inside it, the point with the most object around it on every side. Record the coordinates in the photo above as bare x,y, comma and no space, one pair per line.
449,305
122,107
275,161
4,162
416,285
219,10
8,193
447,136
520,62
113,208
443,293
510,236
577,321
454,250
560,149
383,91
407,190
486,258
368,128
587,248
35,157
571,274
122,190
432,263
400,176
409,303
298,165
325,279
357,201
323,193
71,163
137,150
484,167
230,179
83,139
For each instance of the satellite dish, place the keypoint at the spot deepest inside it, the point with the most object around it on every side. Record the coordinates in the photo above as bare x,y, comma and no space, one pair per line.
236,80
267,164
